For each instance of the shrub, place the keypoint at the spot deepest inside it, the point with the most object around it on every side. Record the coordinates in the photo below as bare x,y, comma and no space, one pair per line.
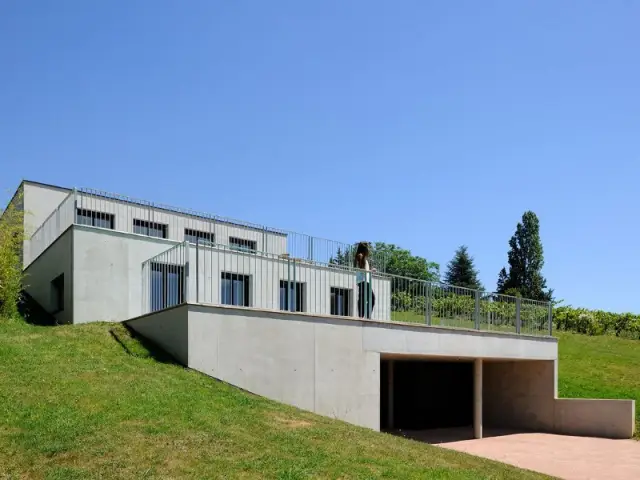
11,275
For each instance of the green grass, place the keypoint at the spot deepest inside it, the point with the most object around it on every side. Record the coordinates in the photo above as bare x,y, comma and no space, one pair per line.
77,402
599,367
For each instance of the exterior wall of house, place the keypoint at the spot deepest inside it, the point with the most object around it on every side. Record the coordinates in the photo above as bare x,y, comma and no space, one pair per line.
54,261
207,265
109,283
176,223
108,273
37,201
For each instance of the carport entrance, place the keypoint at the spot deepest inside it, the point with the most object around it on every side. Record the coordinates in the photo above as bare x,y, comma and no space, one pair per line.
425,394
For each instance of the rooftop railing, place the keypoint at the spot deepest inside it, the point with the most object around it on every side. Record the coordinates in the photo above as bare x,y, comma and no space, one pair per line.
219,275
126,214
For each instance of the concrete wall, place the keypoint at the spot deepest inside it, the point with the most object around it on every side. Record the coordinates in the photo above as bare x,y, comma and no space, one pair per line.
108,273
328,365
39,202
125,213
406,340
524,395
167,329
594,417
519,394
311,363
265,274
55,260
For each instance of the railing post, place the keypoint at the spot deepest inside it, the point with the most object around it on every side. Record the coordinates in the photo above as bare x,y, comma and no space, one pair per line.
310,252
428,303
550,319
197,270
75,206
476,310
518,320
185,297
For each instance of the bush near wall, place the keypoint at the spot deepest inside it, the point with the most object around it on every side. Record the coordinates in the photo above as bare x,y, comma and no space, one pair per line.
596,322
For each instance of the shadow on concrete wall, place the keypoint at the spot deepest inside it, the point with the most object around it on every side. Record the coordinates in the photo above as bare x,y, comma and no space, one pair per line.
138,346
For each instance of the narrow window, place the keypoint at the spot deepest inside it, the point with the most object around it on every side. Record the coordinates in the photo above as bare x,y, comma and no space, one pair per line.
243,245
167,285
341,301
95,219
234,289
57,294
292,296
151,229
197,236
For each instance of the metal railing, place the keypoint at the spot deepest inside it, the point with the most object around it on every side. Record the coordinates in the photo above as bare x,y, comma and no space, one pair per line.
220,275
100,209
165,279
53,226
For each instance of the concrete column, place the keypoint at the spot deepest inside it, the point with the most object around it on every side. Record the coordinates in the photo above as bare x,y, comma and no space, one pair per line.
390,395
477,398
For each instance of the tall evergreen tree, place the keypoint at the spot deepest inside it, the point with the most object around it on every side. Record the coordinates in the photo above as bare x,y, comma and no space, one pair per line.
525,262
461,271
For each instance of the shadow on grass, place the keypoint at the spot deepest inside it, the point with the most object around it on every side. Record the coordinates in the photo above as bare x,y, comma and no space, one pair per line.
138,346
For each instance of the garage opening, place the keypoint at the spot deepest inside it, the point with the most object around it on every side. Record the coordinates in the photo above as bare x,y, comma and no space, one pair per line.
425,394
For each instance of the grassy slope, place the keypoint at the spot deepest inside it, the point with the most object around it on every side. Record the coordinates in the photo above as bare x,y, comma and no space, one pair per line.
599,367
75,404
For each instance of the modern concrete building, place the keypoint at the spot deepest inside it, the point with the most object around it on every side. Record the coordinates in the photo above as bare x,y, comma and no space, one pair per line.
275,313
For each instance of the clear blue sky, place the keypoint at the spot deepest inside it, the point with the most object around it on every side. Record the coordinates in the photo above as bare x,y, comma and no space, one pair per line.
425,124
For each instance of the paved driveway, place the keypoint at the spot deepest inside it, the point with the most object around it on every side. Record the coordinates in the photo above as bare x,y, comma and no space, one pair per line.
571,458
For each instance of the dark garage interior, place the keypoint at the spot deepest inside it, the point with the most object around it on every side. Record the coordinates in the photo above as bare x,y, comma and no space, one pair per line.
426,394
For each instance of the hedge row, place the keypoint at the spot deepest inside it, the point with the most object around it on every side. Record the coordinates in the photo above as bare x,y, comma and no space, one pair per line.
502,310
596,322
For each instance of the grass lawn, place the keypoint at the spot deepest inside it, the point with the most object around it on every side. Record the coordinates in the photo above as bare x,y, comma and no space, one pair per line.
75,403
599,367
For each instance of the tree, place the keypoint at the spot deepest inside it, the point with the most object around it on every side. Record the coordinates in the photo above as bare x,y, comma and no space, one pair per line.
525,262
461,271
11,238
398,261
392,259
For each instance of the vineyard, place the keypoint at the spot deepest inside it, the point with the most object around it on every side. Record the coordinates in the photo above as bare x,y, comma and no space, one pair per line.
439,304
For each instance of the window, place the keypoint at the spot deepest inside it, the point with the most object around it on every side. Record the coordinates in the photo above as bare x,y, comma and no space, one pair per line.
57,294
341,301
167,285
151,229
196,236
95,219
243,245
291,296
234,289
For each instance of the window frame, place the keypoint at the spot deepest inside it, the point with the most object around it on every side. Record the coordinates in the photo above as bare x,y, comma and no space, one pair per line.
300,290
94,215
243,245
232,278
201,237
148,225
165,269
347,294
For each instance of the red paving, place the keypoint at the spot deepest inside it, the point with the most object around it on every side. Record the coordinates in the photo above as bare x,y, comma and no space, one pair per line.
571,458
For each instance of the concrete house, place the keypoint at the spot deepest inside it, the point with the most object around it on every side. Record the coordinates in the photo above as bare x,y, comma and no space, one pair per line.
274,313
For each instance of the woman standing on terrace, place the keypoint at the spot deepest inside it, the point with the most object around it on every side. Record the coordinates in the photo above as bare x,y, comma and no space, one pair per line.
366,297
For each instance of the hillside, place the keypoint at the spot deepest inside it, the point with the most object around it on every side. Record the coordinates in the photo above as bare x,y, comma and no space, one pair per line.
599,367
81,402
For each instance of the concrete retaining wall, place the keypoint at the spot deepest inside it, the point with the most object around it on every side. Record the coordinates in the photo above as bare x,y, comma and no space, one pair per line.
523,395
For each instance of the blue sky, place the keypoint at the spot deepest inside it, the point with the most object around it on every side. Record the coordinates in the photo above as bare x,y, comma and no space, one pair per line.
425,124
